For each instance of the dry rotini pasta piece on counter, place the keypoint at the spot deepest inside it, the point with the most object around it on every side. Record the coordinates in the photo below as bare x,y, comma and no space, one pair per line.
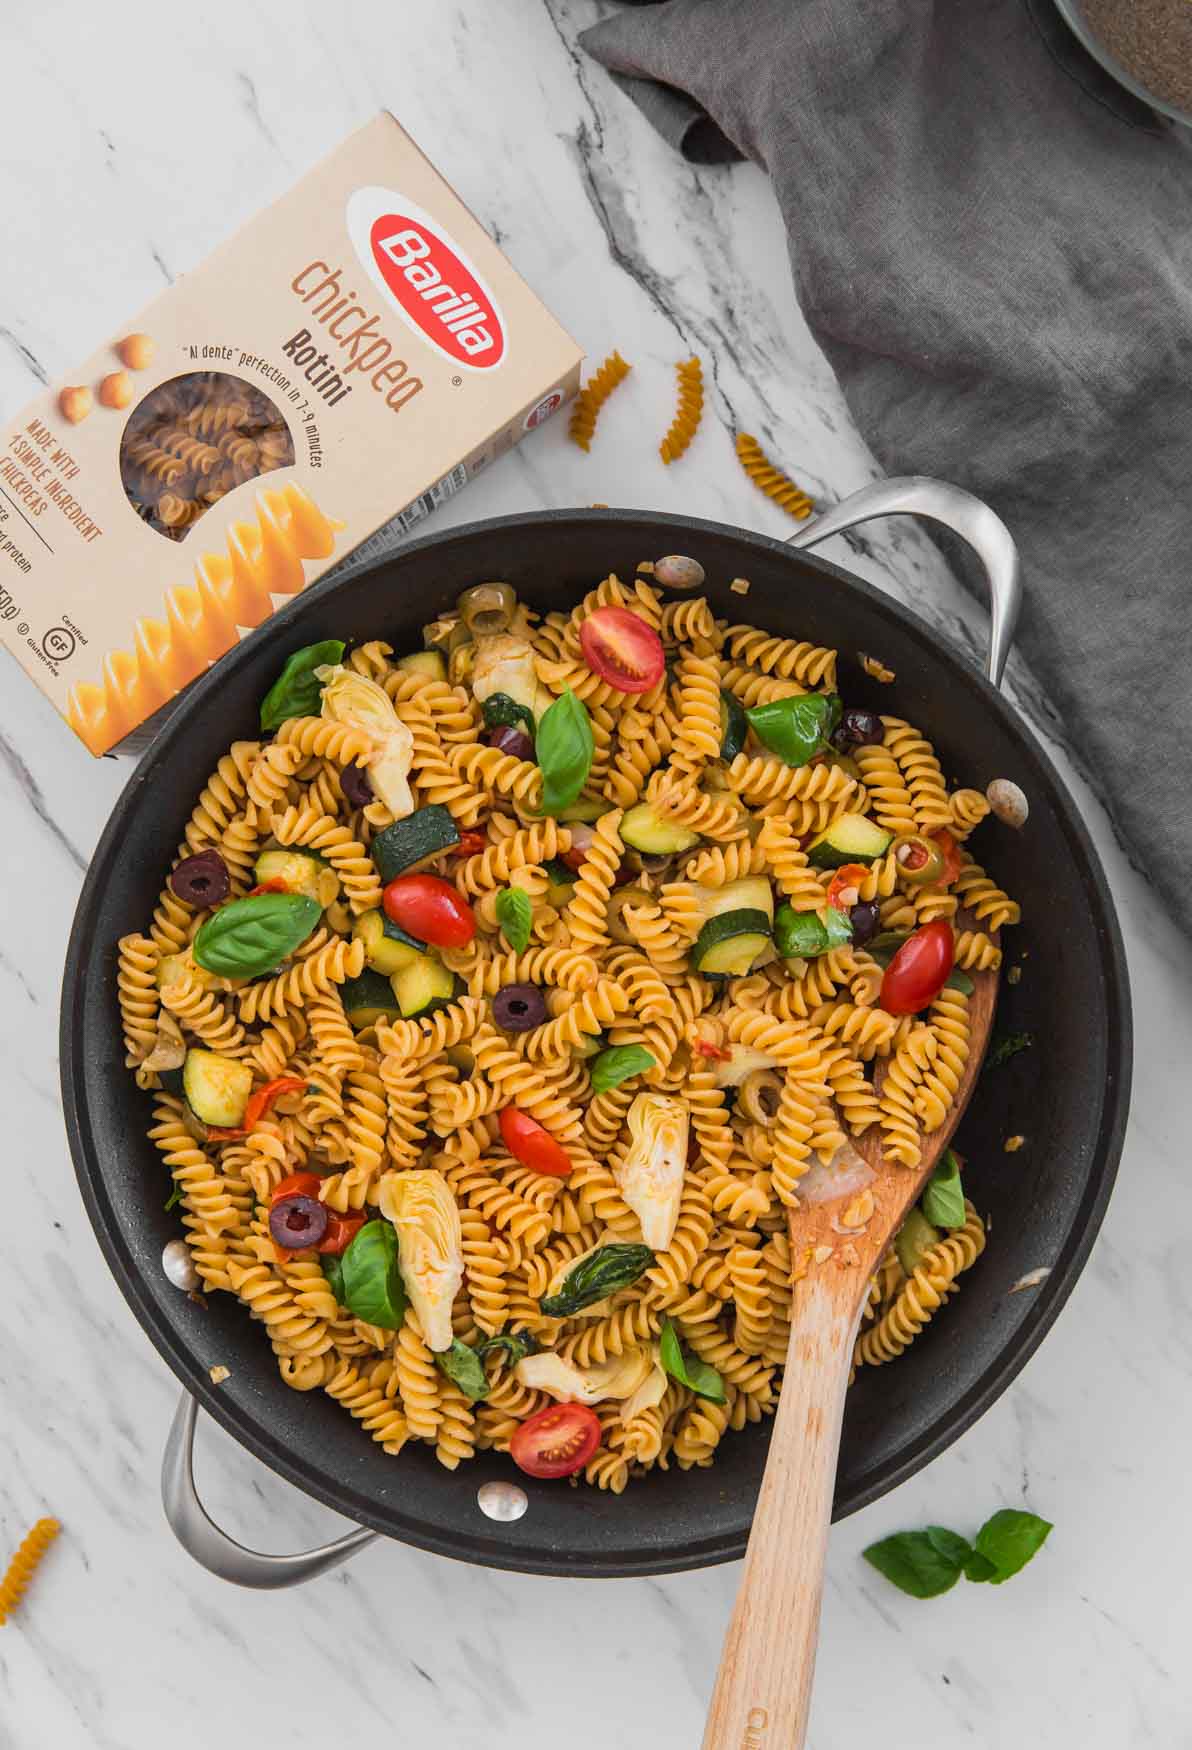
685,424
770,479
592,397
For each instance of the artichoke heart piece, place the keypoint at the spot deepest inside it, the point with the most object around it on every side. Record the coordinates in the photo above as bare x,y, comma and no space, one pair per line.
620,1377
650,1175
505,664
423,1210
360,703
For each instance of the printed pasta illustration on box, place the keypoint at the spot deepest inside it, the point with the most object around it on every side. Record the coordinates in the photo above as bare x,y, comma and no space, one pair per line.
345,362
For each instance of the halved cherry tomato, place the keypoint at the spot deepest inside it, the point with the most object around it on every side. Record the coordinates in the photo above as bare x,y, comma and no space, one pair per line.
622,650
532,1144
574,858
919,970
296,1185
341,1231
950,852
274,885
431,909
557,1441
259,1102
470,843
845,878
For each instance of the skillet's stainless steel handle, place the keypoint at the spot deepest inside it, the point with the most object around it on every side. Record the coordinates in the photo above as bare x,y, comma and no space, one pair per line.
962,512
212,1548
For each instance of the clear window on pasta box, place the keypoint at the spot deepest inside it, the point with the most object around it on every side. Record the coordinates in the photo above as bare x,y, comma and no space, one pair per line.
347,360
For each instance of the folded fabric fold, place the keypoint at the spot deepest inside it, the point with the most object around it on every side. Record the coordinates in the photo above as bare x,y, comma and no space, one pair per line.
994,251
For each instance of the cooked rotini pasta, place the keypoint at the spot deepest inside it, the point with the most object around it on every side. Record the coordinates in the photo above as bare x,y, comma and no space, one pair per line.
499,1042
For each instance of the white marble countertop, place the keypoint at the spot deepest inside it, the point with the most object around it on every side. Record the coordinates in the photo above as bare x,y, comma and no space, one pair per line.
135,140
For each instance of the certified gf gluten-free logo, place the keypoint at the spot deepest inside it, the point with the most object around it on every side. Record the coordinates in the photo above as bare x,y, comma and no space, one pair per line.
59,643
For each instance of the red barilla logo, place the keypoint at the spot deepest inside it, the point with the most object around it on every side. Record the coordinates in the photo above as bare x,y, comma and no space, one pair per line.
435,288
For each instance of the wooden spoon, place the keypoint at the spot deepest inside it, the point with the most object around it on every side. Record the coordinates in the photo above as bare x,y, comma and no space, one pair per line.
763,1688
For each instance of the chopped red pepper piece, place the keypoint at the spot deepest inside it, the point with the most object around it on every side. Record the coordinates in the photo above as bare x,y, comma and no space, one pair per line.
274,885
718,1053
259,1102
950,851
844,881
471,843
341,1231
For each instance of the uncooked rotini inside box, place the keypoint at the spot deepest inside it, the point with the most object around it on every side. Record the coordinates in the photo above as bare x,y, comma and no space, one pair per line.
344,363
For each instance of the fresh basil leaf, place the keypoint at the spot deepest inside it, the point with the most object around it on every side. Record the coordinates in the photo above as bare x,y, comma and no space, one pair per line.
911,1561
1009,1539
943,1198
513,1345
978,1568
514,914
885,945
502,712
174,1199
593,1278
297,691
333,1270
372,1284
617,1064
958,980
1008,1046
796,729
564,750
838,927
558,871
949,1544
464,1366
252,936
689,1370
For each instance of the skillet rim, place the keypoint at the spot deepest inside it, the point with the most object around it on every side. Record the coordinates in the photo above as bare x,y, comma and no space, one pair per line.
465,1544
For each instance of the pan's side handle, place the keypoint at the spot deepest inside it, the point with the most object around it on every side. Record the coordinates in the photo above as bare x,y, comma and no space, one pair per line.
962,512
212,1548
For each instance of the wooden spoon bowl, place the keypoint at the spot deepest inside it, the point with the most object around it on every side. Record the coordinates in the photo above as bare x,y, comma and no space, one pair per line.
763,1688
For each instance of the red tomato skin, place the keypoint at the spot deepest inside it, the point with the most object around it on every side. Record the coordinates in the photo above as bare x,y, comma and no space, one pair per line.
532,1441
431,909
919,970
622,649
532,1144
846,876
296,1185
950,852
341,1231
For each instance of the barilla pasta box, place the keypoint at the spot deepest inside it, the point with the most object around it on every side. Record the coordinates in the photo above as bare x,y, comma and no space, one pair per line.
348,360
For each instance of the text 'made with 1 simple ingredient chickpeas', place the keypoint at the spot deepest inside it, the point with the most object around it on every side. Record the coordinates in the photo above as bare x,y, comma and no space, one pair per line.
346,361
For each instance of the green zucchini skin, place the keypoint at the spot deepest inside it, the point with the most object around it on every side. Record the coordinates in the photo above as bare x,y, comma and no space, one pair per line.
216,1088
369,999
409,844
730,942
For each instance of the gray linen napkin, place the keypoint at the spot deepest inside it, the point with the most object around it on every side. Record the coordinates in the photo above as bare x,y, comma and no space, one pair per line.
996,257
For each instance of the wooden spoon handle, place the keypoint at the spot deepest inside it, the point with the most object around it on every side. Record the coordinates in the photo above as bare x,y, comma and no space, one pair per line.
763,1688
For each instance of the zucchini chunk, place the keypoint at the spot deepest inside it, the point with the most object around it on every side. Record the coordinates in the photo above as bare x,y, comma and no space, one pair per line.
915,1239
422,986
216,1088
386,947
585,810
851,839
301,872
730,942
369,999
734,725
411,843
427,662
645,830
750,893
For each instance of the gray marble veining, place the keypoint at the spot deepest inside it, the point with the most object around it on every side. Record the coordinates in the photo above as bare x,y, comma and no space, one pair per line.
135,142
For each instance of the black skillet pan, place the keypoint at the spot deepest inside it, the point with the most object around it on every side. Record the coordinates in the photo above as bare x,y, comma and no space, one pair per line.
1068,1095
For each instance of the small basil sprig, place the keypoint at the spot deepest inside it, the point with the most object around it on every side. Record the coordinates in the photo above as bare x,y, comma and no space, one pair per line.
926,1563
513,1345
689,1370
366,1278
297,691
796,729
174,1199
1008,1046
514,914
465,1367
802,935
502,712
252,936
958,980
943,1199
617,1064
559,871
564,750
595,1277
